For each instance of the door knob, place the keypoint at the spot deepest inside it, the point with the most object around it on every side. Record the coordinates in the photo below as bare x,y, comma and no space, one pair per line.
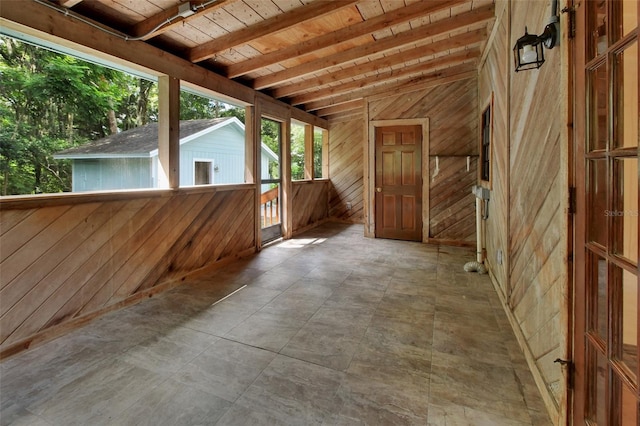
378,189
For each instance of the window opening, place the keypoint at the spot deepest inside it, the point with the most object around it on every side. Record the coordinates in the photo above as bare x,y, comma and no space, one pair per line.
212,132
64,123
297,151
485,145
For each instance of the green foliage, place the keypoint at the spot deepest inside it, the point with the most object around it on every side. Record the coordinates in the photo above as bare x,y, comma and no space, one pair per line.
193,107
270,136
297,152
49,102
317,154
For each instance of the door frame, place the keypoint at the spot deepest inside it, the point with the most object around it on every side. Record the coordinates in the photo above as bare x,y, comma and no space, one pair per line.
264,108
369,175
273,231
581,297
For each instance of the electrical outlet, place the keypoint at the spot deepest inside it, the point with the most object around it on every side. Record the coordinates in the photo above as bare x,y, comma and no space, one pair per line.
349,206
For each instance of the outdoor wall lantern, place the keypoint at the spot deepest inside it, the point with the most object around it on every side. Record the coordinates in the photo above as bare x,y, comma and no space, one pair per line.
528,53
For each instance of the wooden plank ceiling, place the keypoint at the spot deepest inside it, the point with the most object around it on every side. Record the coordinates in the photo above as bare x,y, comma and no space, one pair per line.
323,56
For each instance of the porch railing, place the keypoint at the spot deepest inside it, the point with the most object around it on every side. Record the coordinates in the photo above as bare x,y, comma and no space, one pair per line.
270,207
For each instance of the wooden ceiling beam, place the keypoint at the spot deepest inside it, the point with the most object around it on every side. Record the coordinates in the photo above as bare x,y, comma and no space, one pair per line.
344,107
344,117
429,80
444,26
403,57
145,29
268,26
354,31
418,69
462,72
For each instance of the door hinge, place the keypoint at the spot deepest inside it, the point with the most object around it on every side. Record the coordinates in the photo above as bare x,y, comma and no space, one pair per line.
571,12
572,200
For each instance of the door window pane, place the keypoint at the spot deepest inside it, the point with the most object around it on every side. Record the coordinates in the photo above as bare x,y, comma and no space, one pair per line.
598,212
628,323
625,213
598,367
629,407
627,80
598,296
598,12
629,16
599,112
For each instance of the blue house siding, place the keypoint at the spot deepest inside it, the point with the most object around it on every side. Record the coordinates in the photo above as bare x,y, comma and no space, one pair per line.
111,173
224,147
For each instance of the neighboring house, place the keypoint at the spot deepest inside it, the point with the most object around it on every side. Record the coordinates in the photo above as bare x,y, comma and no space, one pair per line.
211,152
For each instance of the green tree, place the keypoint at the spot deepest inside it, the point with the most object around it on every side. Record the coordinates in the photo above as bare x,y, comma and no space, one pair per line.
270,136
193,107
297,152
317,153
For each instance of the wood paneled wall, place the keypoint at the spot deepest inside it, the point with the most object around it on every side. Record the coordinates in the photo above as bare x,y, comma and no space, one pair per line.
63,260
346,144
452,110
452,205
310,204
528,208
494,84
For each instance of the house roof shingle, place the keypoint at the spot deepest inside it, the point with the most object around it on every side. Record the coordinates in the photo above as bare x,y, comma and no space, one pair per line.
141,140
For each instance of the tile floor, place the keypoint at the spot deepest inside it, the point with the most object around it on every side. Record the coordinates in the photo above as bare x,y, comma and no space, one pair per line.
329,328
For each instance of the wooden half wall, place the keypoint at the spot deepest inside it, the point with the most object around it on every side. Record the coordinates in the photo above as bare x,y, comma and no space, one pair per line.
527,232
67,259
310,200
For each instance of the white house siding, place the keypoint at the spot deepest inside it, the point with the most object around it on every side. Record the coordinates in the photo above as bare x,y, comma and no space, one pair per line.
111,173
224,147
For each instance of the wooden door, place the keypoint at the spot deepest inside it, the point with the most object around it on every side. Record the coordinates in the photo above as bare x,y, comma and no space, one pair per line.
606,314
398,196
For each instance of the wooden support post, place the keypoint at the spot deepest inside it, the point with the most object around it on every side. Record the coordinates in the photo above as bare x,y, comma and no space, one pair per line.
253,165
169,132
251,153
286,206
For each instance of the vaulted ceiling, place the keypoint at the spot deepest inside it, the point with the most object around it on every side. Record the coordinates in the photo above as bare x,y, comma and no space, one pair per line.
323,56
